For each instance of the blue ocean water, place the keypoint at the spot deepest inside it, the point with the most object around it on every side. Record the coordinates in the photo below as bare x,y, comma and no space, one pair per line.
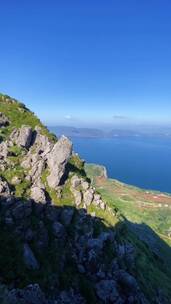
143,162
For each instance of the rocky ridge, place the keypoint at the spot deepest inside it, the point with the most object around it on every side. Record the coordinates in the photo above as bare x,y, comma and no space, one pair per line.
68,243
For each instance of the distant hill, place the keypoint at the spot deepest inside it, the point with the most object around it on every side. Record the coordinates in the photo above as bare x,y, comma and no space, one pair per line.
98,133
77,132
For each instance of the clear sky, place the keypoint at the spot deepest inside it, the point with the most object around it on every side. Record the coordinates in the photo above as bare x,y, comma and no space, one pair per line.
90,62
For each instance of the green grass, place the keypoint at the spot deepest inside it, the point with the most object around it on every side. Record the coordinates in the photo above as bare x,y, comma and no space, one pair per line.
66,199
149,268
18,115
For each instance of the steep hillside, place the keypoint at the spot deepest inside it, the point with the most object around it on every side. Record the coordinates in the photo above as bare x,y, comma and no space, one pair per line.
137,205
62,241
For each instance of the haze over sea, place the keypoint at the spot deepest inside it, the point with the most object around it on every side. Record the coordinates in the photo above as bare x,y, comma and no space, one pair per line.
142,161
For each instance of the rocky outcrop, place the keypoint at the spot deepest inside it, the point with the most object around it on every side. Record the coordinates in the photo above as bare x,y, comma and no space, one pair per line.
22,137
4,146
43,154
4,121
38,194
4,188
57,160
85,194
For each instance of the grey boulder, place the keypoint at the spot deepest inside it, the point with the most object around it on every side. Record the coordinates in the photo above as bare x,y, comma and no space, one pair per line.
22,137
38,194
4,121
57,160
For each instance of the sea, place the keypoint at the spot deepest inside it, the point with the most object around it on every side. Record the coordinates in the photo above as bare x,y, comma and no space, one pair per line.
143,162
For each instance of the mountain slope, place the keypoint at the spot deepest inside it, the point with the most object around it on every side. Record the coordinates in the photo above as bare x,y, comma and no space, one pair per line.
63,242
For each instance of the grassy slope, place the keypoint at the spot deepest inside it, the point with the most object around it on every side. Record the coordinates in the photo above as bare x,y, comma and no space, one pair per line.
148,267
138,207
18,115
135,204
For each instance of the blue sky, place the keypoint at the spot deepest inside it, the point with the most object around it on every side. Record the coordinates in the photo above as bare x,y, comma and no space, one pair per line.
88,62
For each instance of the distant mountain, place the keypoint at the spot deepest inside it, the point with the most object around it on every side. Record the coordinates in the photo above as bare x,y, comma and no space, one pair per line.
90,132
77,132
98,133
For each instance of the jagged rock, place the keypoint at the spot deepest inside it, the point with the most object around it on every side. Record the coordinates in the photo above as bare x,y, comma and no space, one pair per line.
85,185
4,121
75,181
36,158
102,205
16,180
97,197
59,192
38,194
36,164
37,170
3,150
88,197
31,294
22,137
58,229
4,188
29,257
42,143
57,161
77,197
107,291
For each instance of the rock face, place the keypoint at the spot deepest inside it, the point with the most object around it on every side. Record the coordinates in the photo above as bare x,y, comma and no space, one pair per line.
4,188
4,121
46,155
57,161
84,194
38,194
3,155
22,137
